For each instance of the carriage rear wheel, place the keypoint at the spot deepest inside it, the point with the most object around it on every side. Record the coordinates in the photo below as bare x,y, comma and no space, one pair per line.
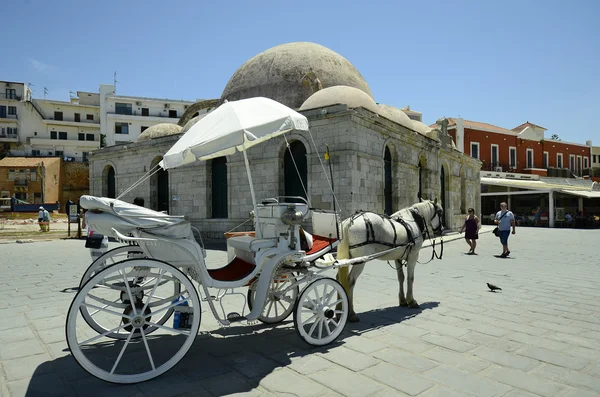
321,312
109,258
281,298
138,357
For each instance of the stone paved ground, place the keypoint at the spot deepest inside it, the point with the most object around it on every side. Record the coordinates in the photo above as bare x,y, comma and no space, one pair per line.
539,337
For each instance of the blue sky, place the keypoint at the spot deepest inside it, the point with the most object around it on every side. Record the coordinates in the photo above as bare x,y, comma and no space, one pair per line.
497,62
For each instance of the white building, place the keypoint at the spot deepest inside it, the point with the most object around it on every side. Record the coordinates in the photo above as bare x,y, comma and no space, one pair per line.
124,118
40,127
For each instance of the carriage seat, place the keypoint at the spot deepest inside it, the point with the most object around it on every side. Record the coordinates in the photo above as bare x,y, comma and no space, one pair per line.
250,243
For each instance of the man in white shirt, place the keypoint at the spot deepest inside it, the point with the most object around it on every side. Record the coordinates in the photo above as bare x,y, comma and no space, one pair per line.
41,218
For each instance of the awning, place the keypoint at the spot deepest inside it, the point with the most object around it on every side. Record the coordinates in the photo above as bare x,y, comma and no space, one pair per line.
582,193
534,185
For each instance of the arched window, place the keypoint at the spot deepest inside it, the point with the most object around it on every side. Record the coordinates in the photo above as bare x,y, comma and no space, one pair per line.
387,181
109,186
295,166
219,187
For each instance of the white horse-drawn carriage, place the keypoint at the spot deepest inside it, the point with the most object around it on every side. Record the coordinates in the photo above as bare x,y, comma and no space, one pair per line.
118,326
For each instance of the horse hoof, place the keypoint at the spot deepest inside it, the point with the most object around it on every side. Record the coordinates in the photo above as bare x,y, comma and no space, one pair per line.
414,305
404,303
353,318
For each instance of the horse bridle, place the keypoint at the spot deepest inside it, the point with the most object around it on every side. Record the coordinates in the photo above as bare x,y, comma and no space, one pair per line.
438,230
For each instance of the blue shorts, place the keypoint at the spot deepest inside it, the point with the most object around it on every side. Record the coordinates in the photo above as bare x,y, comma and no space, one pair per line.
503,234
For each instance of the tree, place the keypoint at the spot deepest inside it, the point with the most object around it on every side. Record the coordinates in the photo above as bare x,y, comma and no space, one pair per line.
555,137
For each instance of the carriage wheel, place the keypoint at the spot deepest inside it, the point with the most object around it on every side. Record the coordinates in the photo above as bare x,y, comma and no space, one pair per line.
321,312
138,357
109,258
280,303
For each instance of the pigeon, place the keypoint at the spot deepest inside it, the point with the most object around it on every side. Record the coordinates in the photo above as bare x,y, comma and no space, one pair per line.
493,288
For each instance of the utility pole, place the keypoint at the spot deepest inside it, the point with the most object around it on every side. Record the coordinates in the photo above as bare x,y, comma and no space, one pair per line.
43,183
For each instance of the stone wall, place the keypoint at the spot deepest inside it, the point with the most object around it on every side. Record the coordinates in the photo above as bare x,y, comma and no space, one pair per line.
356,140
75,182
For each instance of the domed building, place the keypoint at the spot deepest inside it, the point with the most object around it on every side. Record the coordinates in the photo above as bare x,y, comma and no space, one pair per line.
383,158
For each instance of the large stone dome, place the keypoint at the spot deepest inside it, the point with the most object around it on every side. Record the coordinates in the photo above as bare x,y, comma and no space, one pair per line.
159,130
342,94
290,73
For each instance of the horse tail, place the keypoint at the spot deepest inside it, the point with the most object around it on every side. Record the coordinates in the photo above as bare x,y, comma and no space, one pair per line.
343,250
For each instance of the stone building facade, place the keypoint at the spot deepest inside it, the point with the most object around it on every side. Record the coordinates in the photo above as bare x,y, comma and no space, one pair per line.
381,160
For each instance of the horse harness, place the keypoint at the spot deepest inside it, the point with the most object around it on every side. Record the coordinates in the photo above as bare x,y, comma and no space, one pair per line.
417,217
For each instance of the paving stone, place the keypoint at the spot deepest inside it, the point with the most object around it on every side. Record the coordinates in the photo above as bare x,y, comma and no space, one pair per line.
491,341
466,382
250,364
389,392
46,385
170,384
308,364
567,329
464,362
52,335
573,378
579,393
441,391
12,335
520,393
94,387
406,360
286,381
346,382
409,344
26,367
448,343
188,366
398,378
12,321
350,359
555,358
522,380
364,345
530,340
20,349
227,383
439,328
505,359
49,322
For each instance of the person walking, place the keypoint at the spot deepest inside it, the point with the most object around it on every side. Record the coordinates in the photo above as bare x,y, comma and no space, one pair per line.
471,225
505,219
46,218
41,218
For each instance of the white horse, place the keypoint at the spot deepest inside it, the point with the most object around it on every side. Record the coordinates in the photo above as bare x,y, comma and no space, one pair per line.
368,233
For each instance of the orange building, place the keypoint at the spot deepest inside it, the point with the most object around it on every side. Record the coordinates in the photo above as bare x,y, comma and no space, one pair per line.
524,149
31,179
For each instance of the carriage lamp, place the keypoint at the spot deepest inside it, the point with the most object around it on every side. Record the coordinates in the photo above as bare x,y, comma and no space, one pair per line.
292,217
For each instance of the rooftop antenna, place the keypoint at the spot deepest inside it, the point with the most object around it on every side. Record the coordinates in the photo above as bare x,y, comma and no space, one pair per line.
115,82
31,85
72,94
45,92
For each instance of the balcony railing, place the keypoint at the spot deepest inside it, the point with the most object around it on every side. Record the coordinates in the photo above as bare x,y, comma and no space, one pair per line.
10,96
137,113
20,182
9,116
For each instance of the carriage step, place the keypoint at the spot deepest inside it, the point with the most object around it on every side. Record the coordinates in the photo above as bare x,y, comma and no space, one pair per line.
235,317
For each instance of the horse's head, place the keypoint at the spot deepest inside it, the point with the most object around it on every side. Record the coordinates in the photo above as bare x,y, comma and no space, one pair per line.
433,215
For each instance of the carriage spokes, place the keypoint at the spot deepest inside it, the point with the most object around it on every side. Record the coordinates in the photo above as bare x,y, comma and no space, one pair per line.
124,351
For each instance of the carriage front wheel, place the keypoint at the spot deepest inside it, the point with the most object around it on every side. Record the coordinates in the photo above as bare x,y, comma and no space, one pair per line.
138,357
280,301
321,312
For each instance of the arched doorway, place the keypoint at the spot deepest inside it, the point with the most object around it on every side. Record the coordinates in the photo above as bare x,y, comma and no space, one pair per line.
443,193
109,185
159,188
219,187
295,170
162,191
387,181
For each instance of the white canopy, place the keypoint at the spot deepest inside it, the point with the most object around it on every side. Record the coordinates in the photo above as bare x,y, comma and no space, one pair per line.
233,126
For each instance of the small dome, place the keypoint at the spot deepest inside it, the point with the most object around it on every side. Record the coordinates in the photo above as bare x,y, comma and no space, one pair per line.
193,121
424,129
396,115
159,130
292,72
340,94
